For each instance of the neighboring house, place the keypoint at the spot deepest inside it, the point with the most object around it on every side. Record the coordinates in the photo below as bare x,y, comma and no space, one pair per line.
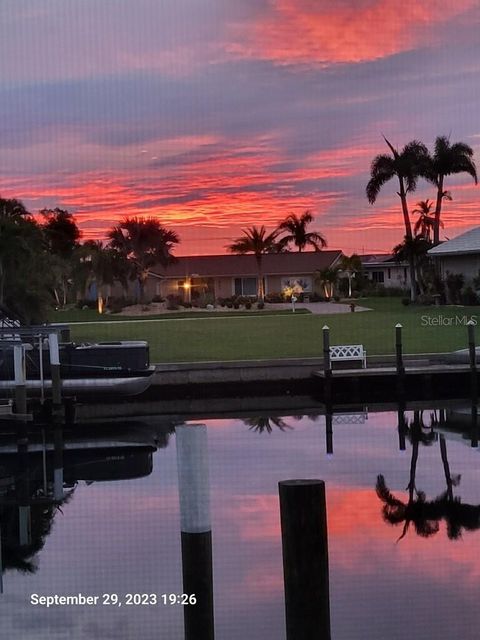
459,255
385,270
224,276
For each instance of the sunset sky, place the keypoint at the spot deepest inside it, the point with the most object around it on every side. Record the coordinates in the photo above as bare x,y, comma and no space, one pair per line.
217,114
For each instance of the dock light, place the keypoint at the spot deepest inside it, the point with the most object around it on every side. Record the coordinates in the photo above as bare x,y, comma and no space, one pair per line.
186,285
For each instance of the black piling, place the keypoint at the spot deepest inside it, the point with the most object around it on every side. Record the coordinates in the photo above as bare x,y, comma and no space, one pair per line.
327,365
399,363
303,516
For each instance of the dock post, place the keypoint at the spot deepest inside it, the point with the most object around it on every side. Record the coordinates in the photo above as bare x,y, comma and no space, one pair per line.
55,370
473,383
57,462
473,360
329,431
22,482
303,516
399,361
327,365
196,530
20,388
401,425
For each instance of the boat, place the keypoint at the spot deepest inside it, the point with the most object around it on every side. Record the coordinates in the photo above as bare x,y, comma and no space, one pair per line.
100,368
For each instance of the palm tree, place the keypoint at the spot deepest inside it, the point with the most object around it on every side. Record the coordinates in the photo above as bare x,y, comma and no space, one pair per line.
262,424
328,278
448,159
144,242
349,266
296,229
425,222
414,250
104,266
407,166
257,241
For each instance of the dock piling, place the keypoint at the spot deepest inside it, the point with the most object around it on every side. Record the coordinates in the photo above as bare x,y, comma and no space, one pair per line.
399,361
196,533
327,364
55,370
303,517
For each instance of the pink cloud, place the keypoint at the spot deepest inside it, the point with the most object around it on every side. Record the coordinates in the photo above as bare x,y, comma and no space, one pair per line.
319,32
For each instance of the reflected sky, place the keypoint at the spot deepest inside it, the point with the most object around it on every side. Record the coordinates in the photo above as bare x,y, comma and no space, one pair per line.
124,537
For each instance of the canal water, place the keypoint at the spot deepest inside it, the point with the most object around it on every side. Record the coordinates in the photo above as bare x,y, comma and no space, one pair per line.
403,513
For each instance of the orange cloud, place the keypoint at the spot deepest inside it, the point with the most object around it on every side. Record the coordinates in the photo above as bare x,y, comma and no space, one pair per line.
319,32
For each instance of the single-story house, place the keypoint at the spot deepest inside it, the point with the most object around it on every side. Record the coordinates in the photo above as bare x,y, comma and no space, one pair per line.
459,255
385,270
223,276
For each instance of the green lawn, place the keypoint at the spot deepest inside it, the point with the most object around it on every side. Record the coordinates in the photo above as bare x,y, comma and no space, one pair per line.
251,335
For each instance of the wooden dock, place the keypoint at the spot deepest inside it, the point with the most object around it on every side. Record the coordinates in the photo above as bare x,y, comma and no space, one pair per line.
419,382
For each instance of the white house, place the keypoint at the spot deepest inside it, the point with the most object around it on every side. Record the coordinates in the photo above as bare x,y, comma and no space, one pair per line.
383,269
459,255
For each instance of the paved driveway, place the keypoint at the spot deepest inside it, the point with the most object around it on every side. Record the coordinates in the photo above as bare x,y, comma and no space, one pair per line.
322,308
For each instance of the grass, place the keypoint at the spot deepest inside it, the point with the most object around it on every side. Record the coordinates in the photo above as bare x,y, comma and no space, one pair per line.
285,335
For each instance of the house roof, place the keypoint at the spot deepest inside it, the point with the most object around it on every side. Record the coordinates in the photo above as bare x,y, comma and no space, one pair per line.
380,260
468,242
287,264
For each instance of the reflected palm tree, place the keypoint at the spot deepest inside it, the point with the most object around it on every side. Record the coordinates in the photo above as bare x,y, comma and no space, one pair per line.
262,424
426,515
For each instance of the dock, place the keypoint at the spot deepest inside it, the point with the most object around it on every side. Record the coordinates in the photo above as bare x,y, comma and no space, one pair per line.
419,382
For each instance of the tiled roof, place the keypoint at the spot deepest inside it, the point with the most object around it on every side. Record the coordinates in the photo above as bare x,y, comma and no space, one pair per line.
288,264
468,242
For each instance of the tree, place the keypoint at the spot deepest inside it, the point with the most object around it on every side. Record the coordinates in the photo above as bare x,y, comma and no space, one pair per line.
407,166
328,278
296,229
265,424
144,242
25,269
61,232
257,241
349,266
415,250
425,222
104,266
12,208
61,238
447,159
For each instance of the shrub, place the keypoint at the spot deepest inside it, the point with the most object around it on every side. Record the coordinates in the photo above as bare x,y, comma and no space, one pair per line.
248,304
425,298
274,298
236,305
117,303
187,305
175,299
260,305
229,305
172,306
316,297
469,297
86,304
454,282
406,301
158,299
336,298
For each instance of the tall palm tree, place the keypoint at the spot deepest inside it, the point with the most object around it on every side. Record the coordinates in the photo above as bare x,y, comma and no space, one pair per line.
144,242
257,241
262,424
407,166
296,229
448,159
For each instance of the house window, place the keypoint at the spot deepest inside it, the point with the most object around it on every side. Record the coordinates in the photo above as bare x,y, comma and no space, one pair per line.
378,277
245,286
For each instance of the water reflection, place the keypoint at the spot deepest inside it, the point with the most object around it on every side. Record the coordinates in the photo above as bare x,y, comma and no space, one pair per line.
122,526
265,424
426,515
